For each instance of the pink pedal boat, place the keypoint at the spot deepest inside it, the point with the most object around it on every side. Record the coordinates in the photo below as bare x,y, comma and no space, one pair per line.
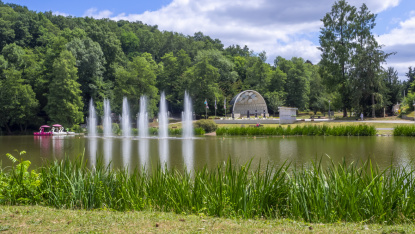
42,131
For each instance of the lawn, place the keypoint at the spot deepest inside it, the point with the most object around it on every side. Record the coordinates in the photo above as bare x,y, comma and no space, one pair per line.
30,219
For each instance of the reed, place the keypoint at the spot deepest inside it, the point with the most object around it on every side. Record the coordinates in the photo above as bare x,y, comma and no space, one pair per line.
316,193
404,130
307,130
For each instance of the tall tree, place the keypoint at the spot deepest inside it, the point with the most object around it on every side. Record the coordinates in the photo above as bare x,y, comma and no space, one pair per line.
336,44
17,100
201,82
64,98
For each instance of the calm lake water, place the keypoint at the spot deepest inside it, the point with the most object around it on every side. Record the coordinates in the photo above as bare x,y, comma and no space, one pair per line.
210,151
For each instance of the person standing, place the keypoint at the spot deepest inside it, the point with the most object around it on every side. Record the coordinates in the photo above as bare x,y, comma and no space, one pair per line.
361,116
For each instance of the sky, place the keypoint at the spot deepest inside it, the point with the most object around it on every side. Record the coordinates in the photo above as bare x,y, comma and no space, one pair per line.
278,27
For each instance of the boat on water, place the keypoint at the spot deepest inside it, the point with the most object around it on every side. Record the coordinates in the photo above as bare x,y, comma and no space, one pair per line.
57,130
42,131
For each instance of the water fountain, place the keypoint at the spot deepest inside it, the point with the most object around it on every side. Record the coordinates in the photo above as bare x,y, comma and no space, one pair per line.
92,120
125,119
187,117
142,121
163,118
107,124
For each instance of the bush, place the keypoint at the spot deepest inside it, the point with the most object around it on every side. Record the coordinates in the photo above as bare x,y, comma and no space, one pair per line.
76,128
116,129
207,124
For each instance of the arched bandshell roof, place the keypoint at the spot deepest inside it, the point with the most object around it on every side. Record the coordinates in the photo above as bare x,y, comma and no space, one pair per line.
249,100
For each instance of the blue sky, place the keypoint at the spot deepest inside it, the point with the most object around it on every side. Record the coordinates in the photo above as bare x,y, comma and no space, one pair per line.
279,27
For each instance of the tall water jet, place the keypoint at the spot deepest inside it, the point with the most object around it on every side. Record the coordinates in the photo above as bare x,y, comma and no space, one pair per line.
187,117
125,118
163,118
142,121
92,120
107,124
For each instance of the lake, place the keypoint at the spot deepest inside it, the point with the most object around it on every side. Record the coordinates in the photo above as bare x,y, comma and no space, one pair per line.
210,151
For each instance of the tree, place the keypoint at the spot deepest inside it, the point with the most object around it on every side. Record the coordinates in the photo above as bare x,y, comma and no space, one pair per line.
130,44
258,73
64,98
201,82
90,65
368,86
393,85
136,79
317,101
17,100
297,86
336,45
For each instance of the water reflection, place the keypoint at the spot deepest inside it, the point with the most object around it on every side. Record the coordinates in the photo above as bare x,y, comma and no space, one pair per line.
107,150
92,146
57,146
187,150
126,152
143,152
44,144
164,152
211,151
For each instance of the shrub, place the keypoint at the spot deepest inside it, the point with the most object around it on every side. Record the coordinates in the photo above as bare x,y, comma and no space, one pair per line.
116,129
76,128
207,124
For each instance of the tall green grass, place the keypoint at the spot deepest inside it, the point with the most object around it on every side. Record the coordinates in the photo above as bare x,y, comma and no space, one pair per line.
306,130
404,130
316,193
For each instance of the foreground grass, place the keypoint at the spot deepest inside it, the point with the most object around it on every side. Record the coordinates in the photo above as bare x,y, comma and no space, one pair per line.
316,193
30,219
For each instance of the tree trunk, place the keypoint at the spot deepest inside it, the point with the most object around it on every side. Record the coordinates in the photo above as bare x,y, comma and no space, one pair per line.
373,105
344,112
8,129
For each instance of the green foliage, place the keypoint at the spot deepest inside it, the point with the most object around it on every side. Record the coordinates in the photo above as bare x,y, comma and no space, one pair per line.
76,128
306,130
19,186
116,129
17,101
135,80
64,100
404,131
315,193
117,59
206,124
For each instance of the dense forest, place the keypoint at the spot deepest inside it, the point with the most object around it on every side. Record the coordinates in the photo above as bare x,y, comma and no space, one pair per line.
51,66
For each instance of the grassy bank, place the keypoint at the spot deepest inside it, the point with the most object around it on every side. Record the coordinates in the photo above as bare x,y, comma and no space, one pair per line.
38,219
314,194
306,130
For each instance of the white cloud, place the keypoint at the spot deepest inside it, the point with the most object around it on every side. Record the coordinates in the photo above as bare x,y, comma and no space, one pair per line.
402,41
60,13
276,26
403,35
93,12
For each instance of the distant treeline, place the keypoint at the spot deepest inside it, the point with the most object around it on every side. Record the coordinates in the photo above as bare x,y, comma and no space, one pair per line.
51,66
